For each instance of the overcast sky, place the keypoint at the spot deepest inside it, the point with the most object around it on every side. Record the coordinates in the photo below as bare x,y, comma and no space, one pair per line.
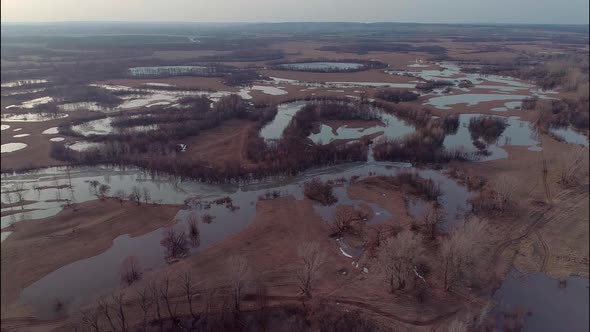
423,11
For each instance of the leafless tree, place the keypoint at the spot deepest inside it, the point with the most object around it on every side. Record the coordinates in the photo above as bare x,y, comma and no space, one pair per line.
176,243
155,291
20,195
120,309
147,197
130,270
105,307
167,297
238,272
91,319
433,216
103,191
460,250
94,186
135,195
194,233
120,196
344,218
189,291
397,257
312,257
146,300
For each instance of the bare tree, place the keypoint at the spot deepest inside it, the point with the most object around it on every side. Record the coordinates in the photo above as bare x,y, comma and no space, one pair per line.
103,191
135,195
147,197
146,301
155,291
166,296
460,250
19,192
91,319
176,243
238,271
120,196
94,186
433,216
120,310
397,258
344,218
130,270
189,291
105,307
194,233
312,257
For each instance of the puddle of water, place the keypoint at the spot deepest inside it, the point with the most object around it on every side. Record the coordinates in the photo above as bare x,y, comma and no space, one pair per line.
570,136
18,129
50,131
4,127
4,236
83,146
32,117
90,106
275,128
444,102
553,307
159,84
32,103
22,92
14,84
11,147
518,132
21,135
321,66
166,70
57,139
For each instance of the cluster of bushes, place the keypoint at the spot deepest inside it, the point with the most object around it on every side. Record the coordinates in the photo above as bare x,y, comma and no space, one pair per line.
320,191
240,77
396,96
433,84
450,124
489,128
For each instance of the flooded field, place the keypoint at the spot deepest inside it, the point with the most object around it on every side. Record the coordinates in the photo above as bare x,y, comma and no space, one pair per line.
274,129
549,304
103,127
99,274
32,117
570,136
14,84
32,103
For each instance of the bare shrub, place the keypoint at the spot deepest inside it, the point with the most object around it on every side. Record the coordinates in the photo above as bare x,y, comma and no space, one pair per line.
103,191
432,218
312,257
90,319
188,287
146,301
504,188
487,127
176,243
397,258
572,166
320,191
460,250
120,195
207,218
135,195
194,233
130,270
147,197
345,217
238,272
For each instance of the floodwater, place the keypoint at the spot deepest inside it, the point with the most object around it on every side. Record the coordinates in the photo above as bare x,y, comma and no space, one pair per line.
321,66
32,103
81,281
89,106
4,127
18,83
21,135
166,71
517,133
275,128
57,139
570,136
104,127
32,117
445,102
83,146
50,131
393,128
553,305
269,90
11,147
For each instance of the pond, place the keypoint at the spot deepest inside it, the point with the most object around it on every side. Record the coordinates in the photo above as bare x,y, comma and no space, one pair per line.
321,66
104,127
